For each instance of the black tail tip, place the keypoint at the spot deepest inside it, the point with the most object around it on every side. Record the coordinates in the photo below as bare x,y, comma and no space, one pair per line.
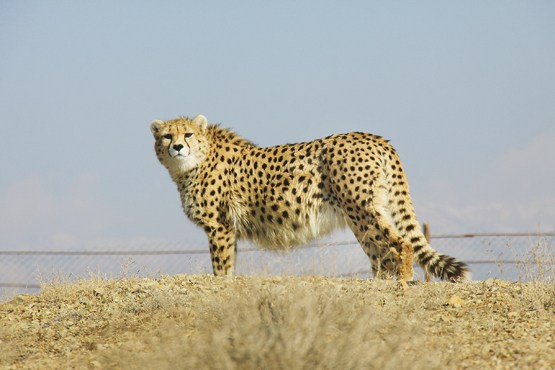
449,269
457,272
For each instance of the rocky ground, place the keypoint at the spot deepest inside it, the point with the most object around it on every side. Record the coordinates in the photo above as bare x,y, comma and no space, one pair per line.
204,322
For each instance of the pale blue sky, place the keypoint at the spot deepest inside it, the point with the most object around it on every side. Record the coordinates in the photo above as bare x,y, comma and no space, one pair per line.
464,90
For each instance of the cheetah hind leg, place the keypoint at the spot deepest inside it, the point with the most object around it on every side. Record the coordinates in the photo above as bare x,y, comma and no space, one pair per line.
388,252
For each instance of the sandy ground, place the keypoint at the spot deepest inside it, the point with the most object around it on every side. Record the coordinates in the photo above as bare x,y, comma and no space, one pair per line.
203,322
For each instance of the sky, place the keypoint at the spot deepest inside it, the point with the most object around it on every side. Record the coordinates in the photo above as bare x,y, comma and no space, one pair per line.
465,91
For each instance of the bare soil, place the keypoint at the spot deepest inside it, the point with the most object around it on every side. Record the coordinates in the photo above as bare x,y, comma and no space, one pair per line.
203,322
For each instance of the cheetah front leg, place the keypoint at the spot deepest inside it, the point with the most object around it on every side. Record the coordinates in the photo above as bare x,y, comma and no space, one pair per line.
223,247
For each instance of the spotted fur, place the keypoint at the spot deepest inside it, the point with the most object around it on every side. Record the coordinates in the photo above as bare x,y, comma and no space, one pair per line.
287,195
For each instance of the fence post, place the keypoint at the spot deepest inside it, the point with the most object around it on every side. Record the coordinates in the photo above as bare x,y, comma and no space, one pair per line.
427,236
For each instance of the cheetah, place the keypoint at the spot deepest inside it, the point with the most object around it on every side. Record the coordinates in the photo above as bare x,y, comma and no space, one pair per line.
287,195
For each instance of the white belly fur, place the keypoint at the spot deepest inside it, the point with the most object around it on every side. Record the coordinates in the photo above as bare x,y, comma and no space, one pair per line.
280,237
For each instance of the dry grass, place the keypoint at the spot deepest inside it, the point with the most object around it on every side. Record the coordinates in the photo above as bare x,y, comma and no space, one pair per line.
184,322
280,324
537,264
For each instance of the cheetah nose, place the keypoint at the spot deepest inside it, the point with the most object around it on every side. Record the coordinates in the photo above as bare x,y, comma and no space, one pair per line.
178,147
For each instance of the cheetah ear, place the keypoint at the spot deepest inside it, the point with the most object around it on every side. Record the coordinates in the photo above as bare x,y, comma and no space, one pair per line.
155,126
201,122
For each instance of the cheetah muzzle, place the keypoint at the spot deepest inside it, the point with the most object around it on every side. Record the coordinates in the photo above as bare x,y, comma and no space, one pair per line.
287,195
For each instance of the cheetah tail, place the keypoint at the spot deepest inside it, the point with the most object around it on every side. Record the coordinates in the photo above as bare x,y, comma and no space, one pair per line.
403,216
439,265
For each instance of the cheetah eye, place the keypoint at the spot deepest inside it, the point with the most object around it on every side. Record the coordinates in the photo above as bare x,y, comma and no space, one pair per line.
188,135
168,136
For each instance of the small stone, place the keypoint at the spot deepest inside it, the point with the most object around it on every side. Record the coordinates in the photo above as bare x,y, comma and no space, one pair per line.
445,318
455,301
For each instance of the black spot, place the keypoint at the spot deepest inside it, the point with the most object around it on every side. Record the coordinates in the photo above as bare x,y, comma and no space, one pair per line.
425,259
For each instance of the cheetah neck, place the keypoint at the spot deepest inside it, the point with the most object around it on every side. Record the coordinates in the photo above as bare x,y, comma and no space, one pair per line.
220,136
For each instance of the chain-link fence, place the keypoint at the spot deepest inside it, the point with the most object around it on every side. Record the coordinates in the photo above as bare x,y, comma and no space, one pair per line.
523,257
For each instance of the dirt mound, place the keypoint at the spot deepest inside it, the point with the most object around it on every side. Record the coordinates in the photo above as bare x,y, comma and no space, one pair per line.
279,323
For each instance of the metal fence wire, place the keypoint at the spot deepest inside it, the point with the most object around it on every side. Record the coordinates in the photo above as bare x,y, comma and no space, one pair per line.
516,257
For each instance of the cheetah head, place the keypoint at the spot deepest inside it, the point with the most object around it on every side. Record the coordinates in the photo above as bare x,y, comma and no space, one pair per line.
180,144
